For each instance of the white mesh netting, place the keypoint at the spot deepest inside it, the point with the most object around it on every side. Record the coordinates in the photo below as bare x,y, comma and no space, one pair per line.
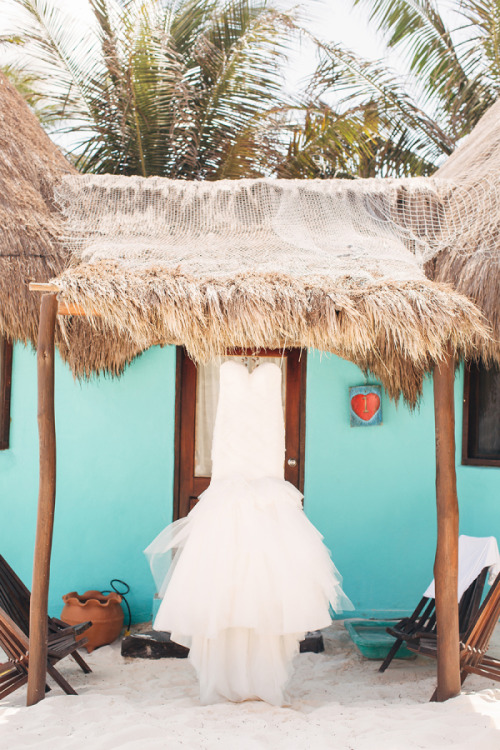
363,229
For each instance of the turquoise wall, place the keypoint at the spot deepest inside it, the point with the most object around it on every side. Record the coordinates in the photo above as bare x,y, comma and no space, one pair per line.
369,490
114,475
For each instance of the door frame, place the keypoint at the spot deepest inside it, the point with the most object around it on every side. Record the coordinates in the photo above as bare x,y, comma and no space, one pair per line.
185,418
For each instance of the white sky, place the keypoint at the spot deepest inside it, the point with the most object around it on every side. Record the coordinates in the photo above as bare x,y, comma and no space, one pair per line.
332,20
337,21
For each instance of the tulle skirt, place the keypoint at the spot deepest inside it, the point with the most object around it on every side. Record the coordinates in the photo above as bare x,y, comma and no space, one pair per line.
242,578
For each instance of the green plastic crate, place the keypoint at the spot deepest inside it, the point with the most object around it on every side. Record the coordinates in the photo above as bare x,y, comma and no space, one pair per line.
372,639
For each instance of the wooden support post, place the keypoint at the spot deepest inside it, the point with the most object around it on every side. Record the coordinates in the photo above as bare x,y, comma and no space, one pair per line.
446,563
46,502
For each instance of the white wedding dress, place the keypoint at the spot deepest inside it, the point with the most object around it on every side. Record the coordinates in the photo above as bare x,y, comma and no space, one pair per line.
246,575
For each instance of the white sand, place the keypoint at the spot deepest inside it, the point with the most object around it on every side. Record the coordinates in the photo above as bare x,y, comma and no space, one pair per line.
339,701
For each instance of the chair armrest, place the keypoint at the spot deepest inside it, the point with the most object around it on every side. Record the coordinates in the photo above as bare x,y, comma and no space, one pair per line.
69,630
59,626
57,622
82,627
65,647
427,635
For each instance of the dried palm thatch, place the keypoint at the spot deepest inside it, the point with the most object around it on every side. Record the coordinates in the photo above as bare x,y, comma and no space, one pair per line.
396,330
262,263
368,301
472,264
30,224
30,238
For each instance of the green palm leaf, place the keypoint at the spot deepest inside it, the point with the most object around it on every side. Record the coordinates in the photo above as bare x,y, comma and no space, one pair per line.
457,68
161,87
399,120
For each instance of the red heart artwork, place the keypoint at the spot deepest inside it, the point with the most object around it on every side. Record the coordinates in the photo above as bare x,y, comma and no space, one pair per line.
365,405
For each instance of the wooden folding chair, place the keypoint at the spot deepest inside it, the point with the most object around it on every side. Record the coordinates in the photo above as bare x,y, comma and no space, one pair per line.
473,656
14,672
15,644
62,638
474,647
422,623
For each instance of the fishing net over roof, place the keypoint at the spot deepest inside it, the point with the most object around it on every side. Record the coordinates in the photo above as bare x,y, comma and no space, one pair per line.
364,229
336,265
360,293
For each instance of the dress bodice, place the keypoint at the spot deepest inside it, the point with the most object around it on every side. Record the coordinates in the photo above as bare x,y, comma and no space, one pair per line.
249,431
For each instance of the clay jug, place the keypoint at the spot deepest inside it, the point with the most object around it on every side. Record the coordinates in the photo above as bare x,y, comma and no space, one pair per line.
103,610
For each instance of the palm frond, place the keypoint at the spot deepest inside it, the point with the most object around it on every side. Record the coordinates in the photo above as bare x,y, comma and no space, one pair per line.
170,88
366,81
457,68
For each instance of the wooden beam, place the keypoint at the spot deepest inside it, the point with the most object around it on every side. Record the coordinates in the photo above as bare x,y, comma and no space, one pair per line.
65,308
70,308
5,389
446,563
46,502
36,286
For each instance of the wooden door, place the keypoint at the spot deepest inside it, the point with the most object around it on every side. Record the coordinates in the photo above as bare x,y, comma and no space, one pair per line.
189,481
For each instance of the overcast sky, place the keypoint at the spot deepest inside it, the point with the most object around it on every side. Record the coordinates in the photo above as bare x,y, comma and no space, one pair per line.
332,20
337,21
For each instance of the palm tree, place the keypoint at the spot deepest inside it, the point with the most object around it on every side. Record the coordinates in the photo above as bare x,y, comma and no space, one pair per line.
454,61
193,89
375,129
323,143
454,57
177,88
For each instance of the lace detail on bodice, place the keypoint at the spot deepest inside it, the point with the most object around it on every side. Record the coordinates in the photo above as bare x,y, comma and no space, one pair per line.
249,432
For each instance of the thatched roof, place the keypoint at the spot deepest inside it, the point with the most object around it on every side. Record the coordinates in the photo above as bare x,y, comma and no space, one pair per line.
367,300
472,264
266,263
30,237
30,166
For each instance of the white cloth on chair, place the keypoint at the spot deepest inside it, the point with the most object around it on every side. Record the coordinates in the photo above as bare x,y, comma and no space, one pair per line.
474,554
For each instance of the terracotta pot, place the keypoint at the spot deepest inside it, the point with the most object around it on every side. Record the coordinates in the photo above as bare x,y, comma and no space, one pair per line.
103,610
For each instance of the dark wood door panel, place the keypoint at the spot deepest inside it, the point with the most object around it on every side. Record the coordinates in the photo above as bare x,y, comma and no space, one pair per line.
187,486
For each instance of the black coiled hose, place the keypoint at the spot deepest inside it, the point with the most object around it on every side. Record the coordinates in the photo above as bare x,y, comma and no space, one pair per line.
126,589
